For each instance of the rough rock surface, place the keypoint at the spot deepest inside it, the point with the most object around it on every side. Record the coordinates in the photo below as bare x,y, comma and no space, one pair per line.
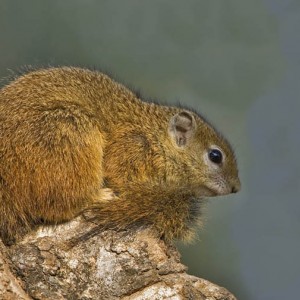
129,265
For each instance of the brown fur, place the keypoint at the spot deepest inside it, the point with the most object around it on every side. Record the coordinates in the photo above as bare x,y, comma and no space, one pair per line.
69,135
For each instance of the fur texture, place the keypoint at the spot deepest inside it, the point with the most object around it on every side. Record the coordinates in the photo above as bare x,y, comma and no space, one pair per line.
73,139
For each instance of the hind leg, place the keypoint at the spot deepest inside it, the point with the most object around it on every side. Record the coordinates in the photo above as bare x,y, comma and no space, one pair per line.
74,180
52,164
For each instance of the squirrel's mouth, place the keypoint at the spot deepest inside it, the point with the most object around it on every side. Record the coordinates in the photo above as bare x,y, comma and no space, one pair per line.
205,191
214,190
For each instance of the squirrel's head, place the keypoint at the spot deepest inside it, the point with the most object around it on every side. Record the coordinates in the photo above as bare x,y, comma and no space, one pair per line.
203,155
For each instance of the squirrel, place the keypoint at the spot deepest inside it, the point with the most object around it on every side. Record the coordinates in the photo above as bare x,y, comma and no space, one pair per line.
72,139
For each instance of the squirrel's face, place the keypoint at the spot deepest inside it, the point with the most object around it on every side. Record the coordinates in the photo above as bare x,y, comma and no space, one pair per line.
207,156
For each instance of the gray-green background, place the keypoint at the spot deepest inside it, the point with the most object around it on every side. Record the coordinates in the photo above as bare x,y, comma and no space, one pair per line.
237,62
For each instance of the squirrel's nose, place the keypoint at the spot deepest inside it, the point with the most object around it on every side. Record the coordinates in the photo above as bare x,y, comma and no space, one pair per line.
236,187
234,190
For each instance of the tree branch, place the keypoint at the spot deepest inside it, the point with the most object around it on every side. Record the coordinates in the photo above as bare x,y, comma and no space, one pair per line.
131,264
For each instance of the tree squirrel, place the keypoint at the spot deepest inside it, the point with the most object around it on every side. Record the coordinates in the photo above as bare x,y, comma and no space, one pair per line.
74,139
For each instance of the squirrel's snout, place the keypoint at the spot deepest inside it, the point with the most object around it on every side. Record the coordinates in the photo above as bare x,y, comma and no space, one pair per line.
236,187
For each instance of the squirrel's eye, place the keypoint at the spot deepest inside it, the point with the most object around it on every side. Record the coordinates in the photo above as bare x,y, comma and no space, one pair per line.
215,156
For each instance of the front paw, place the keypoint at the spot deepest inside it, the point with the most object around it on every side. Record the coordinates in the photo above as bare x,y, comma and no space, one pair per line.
107,194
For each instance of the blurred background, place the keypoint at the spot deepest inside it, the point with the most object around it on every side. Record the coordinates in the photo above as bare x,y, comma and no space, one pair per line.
238,63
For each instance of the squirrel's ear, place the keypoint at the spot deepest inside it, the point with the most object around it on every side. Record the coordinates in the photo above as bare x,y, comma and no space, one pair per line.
182,127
